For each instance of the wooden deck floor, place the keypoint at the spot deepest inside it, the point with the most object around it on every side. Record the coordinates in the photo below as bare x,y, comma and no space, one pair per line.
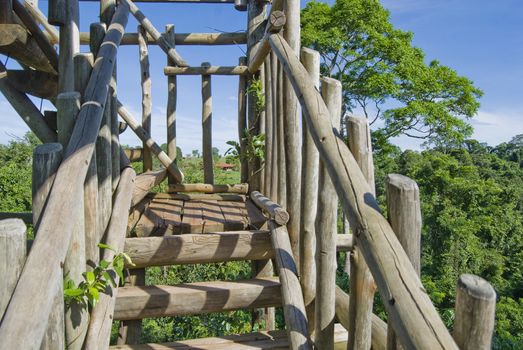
165,214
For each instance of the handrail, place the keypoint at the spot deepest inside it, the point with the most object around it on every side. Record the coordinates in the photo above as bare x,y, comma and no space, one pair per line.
410,310
43,269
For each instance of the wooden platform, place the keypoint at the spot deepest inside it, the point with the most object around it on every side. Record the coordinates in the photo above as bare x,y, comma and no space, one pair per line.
167,214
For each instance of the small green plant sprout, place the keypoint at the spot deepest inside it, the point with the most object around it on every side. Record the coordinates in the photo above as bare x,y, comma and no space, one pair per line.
255,147
97,281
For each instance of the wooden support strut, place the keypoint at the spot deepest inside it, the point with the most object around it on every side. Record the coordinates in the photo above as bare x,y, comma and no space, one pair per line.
275,211
172,99
145,76
417,322
275,24
207,70
42,270
167,162
208,172
162,42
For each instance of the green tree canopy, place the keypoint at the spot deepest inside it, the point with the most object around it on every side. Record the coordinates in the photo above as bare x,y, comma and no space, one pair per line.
385,76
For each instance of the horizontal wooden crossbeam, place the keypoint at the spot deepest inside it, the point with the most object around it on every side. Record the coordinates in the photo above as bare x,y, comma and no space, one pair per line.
210,70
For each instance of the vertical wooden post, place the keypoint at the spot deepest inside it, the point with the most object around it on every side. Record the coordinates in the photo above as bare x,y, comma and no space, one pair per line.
273,195
69,45
403,207
292,129
130,331
255,31
107,9
6,11
362,286
56,13
242,121
46,160
103,144
475,313
171,104
260,163
309,197
268,129
208,172
240,5
282,160
68,106
83,65
146,94
12,250
326,232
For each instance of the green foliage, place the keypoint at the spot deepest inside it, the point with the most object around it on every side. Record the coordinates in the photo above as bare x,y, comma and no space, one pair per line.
96,281
385,76
256,89
255,147
15,173
472,206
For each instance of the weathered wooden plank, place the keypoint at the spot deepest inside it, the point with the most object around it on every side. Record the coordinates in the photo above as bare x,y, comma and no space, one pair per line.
293,305
234,217
195,298
42,271
242,121
213,219
256,218
162,216
203,196
417,322
475,313
192,217
99,333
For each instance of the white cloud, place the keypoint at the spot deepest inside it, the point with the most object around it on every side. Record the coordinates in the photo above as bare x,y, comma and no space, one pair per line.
495,127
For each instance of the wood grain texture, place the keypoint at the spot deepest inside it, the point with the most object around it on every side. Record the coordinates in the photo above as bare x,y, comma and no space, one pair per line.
145,78
275,211
209,188
242,120
208,168
42,270
409,307
144,183
36,83
209,70
293,305
404,212
475,313
196,248
172,99
195,298
309,196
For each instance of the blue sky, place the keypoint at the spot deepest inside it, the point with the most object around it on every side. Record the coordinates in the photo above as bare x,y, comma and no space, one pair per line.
480,39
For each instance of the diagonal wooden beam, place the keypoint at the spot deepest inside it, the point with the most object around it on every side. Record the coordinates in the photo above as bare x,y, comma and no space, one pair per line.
158,38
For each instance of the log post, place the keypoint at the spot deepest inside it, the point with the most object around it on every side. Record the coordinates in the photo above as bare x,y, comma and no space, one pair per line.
293,306
43,270
475,313
292,139
403,207
268,167
171,103
309,197
326,232
69,44
46,160
6,11
83,65
55,12
13,251
240,5
242,121
104,165
274,146
260,163
417,322
146,94
362,286
67,106
208,172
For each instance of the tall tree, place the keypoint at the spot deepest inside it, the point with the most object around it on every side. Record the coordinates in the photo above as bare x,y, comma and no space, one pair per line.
385,76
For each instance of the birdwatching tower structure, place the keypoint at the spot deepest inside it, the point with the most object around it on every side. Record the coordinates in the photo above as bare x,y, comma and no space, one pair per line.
282,216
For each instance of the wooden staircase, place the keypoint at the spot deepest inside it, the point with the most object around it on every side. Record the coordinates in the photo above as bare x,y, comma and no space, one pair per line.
175,247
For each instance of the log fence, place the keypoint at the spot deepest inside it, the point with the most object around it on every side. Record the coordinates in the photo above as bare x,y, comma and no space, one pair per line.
83,188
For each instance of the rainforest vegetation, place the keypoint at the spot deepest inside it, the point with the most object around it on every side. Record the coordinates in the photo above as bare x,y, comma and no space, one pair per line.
471,193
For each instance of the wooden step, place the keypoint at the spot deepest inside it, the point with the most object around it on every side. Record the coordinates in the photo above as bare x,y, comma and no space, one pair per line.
195,298
262,340
206,248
